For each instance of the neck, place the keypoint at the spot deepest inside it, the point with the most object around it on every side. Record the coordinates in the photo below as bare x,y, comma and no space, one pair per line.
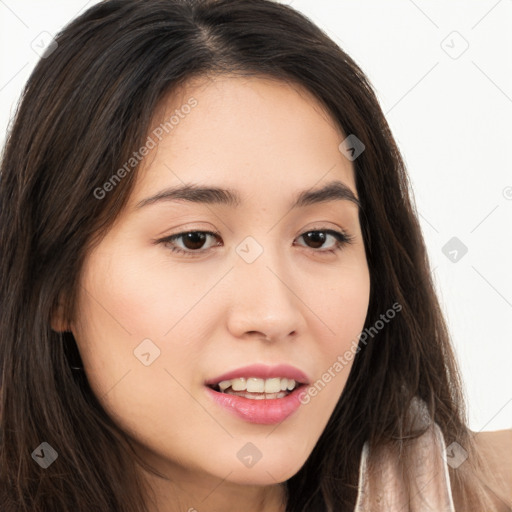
192,492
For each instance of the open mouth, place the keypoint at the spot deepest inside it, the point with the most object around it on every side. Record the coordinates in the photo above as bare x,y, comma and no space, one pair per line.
258,400
257,389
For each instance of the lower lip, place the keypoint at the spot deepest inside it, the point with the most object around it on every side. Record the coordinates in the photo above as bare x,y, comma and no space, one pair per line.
266,411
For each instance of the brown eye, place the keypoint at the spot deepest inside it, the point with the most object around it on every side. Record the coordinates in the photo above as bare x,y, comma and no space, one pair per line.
192,241
316,239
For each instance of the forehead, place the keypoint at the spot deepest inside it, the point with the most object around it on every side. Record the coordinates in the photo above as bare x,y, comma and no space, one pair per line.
257,135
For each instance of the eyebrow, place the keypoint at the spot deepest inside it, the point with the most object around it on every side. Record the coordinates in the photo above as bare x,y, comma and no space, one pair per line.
332,191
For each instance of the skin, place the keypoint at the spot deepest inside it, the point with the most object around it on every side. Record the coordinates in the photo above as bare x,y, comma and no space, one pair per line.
209,314
495,449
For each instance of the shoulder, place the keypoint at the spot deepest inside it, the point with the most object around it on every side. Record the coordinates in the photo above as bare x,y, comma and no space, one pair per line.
495,449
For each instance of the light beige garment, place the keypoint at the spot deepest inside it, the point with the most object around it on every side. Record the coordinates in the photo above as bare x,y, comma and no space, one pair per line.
386,489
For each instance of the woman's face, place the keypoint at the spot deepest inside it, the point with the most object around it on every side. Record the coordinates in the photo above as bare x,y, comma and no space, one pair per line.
154,326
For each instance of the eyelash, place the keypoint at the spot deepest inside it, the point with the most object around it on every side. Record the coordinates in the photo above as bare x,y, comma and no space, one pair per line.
342,239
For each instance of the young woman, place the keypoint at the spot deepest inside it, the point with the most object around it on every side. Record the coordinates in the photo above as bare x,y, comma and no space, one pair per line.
215,292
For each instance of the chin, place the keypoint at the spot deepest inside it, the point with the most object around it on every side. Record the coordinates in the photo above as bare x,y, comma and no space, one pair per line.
265,475
265,472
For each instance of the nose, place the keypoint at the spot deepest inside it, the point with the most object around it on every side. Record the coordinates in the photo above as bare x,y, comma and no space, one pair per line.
264,302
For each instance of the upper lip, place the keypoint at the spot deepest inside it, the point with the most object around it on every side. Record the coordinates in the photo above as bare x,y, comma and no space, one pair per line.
263,372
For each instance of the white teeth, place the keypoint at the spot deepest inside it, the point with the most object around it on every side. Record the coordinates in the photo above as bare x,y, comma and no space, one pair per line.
238,384
273,385
224,384
256,385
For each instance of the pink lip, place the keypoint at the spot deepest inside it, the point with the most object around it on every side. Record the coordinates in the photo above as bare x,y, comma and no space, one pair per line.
263,372
266,411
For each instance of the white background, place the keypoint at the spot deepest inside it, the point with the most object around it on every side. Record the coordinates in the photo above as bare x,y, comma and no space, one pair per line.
451,113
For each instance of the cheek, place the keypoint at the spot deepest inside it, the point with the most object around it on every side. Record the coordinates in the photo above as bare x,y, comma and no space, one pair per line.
139,397
342,308
131,306
343,305
140,295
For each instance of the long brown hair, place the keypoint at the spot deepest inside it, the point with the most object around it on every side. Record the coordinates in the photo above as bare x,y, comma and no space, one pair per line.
85,109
